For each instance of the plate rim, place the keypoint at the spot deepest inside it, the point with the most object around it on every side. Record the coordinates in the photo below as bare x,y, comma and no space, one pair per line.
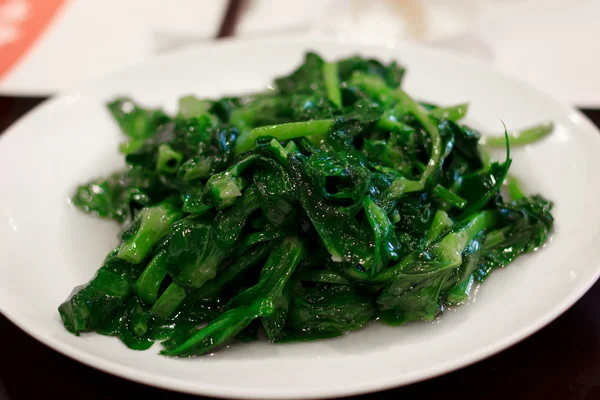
373,385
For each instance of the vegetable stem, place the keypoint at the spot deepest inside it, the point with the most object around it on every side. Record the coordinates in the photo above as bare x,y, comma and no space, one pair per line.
389,124
168,302
148,283
292,130
454,113
168,160
522,137
150,225
451,197
332,83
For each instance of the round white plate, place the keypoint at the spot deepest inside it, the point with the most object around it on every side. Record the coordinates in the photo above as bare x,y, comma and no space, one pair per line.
47,247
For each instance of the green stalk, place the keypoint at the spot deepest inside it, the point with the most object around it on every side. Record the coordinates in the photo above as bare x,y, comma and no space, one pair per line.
449,196
460,293
147,284
247,141
522,137
441,222
332,83
168,160
168,302
388,124
514,188
149,226
454,113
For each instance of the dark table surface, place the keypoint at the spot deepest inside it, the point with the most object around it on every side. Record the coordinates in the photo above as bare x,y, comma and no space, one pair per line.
562,361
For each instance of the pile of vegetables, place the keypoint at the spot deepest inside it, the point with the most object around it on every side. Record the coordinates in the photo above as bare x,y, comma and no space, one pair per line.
299,213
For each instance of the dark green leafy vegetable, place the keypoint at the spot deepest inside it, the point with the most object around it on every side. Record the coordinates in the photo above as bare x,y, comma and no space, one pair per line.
305,211
91,306
136,122
118,196
327,310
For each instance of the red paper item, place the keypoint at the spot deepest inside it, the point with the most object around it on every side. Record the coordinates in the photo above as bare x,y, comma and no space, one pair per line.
22,23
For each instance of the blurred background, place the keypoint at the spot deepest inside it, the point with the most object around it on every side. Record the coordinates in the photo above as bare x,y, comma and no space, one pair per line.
49,45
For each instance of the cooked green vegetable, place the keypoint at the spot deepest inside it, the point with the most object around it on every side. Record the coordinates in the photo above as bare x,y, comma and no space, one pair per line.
523,136
307,211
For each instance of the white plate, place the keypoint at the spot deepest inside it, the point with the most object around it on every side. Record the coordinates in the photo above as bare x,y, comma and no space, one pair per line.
47,247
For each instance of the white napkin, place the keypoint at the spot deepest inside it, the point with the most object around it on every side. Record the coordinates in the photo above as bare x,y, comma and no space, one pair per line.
553,44
91,38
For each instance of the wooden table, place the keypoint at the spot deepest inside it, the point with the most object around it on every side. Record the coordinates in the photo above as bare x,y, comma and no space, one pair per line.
562,361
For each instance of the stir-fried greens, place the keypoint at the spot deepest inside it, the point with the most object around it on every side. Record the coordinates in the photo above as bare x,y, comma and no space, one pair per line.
304,212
